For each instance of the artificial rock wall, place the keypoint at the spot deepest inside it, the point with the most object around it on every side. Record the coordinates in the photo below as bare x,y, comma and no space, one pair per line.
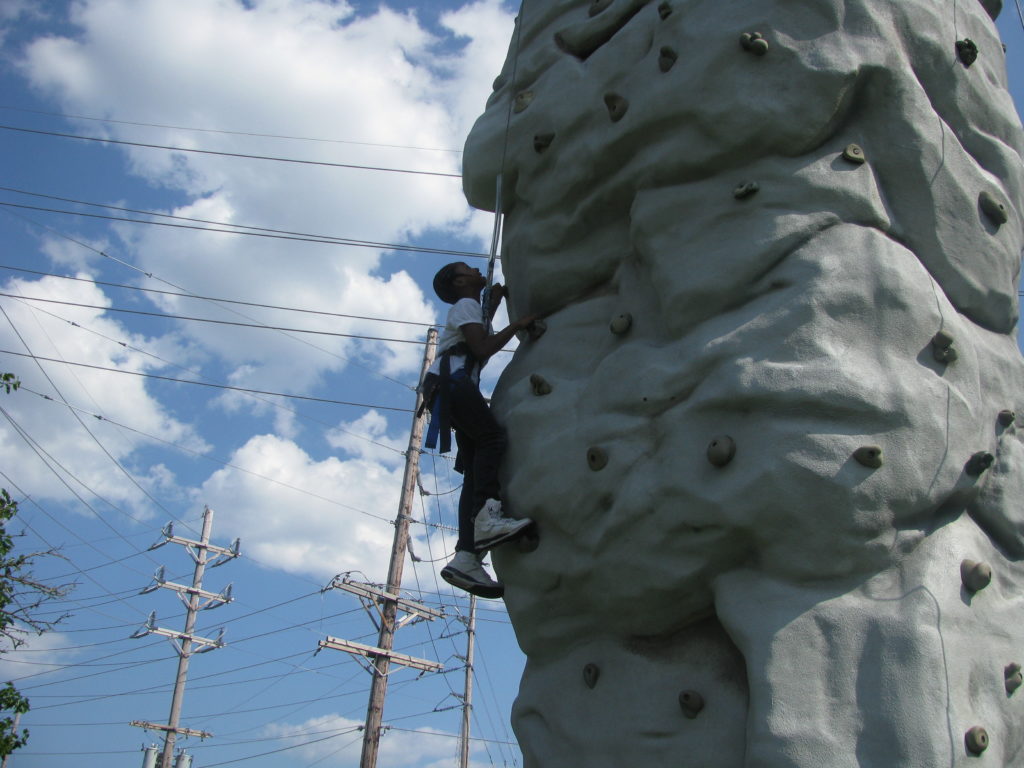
770,430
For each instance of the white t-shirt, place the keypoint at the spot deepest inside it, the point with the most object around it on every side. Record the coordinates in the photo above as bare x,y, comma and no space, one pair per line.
463,312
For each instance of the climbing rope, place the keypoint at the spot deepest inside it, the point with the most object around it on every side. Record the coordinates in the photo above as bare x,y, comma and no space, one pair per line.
498,203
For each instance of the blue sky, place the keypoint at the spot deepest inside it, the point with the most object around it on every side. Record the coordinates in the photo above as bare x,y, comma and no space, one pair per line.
310,487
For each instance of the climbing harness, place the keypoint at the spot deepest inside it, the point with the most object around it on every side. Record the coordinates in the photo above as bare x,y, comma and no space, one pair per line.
437,390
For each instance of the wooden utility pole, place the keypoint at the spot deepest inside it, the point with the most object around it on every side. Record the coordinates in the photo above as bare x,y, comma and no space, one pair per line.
386,637
467,694
388,601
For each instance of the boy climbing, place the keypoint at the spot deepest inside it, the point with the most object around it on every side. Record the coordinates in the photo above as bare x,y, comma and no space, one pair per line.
464,348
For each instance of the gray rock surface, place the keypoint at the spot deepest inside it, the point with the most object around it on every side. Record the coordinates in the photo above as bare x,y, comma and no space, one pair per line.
762,488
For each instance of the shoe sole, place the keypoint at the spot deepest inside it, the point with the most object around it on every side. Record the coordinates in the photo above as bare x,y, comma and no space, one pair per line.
482,546
458,579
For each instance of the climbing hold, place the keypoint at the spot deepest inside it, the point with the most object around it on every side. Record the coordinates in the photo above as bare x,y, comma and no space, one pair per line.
540,385
499,82
992,208
666,58
523,99
745,190
1014,680
942,347
975,576
869,456
537,329
967,51
664,11
754,42
590,674
596,6
854,154
692,703
621,323
597,459
1007,417
721,450
976,740
617,106
542,141
979,462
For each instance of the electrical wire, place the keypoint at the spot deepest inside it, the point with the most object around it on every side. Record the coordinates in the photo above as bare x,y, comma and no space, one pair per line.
235,229
240,314
285,749
236,323
38,450
323,163
207,384
227,132
81,423
267,401
311,239
219,300
224,463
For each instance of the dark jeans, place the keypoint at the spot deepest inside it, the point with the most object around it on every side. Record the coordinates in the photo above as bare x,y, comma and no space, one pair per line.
481,442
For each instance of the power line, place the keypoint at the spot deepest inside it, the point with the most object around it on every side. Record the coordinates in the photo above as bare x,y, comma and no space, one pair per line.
236,229
227,132
237,323
265,400
222,463
206,384
325,313
229,154
150,275
327,240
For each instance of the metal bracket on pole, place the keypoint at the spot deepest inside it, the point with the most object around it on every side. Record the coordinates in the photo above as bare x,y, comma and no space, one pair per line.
413,610
372,652
213,599
224,554
160,727
150,628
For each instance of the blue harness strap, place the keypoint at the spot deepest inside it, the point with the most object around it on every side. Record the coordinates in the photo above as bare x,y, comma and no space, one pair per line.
440,409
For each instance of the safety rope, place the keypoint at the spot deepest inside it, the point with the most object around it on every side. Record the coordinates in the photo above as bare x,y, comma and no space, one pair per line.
498,202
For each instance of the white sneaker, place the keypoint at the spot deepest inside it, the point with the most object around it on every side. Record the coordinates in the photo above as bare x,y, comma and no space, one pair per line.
492,528
465,571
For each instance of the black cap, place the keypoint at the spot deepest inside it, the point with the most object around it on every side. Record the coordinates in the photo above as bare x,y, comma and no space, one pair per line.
443,283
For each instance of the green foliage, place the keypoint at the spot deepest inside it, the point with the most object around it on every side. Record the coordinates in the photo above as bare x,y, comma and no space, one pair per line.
11,701
20,595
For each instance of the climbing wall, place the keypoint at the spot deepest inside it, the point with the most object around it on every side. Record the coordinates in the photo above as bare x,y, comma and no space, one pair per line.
769,437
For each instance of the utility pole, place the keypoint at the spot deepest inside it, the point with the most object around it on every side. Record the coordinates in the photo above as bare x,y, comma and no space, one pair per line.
467,694
183,641
388,601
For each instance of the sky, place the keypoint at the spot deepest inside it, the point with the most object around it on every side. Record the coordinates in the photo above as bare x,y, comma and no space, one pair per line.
313,303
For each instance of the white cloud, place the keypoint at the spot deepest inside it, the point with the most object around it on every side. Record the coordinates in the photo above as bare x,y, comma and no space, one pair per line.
305,68
321,517
46,330
298,68
426,748
315,518
366,438
38,655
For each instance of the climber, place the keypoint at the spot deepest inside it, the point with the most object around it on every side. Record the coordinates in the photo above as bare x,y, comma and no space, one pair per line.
452,392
